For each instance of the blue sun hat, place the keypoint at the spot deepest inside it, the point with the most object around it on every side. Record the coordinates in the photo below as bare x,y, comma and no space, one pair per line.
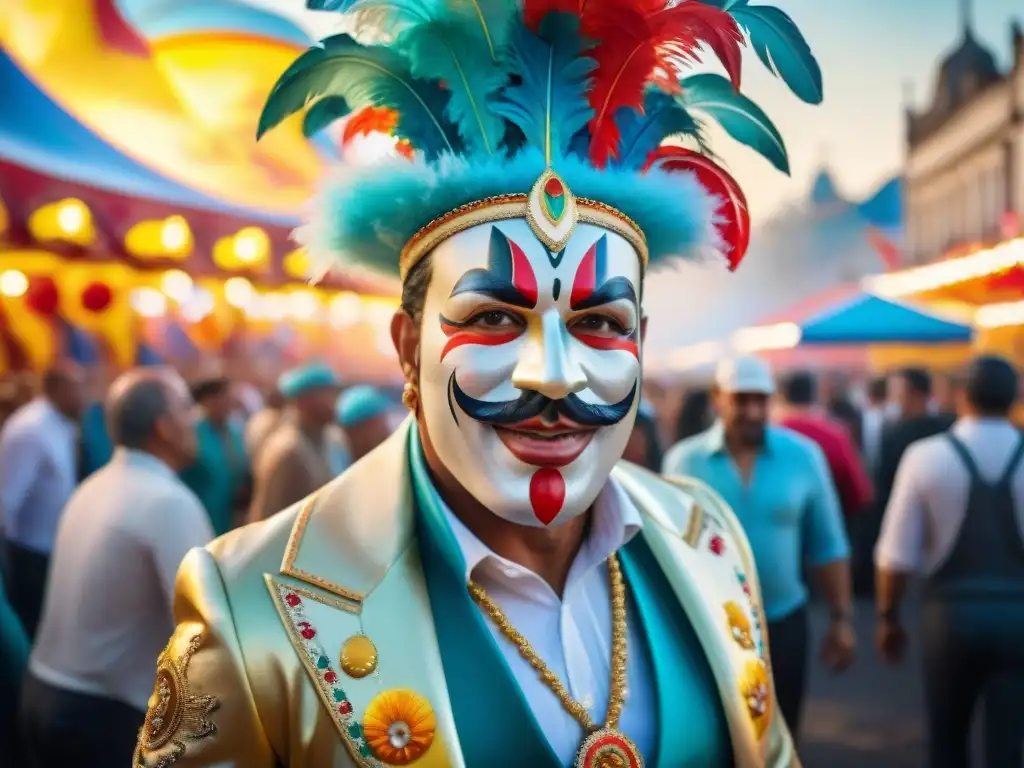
556,113
361,403
296,382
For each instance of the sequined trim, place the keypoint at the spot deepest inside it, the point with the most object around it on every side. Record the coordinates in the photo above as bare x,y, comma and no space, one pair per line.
289,605
176,715
695,527
504,207
288,567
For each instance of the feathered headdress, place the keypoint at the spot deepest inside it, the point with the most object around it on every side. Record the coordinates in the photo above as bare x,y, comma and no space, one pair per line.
556,111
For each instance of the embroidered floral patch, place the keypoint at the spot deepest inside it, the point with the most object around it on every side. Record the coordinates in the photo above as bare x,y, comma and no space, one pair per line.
176,715
319,663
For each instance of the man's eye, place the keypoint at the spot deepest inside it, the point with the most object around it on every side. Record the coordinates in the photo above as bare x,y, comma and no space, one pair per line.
495,319
599,324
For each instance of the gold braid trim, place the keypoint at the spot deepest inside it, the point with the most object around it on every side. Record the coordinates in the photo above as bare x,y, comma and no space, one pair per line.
503,208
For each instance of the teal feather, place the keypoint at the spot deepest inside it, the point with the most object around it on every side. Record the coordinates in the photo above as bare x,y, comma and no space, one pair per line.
741,118
364,76
549,105
779,45
339,6
451,51
323,113
642,133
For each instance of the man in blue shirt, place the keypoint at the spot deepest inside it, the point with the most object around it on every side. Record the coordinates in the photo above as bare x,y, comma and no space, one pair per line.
778,483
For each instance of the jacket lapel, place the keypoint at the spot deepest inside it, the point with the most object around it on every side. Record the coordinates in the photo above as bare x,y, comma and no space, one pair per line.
351,570
698,589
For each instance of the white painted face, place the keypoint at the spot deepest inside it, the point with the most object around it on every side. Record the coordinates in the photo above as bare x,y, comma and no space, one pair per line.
530,366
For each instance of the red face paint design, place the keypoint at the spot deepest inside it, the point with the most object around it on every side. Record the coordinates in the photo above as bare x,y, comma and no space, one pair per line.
523,278
547,494
458,337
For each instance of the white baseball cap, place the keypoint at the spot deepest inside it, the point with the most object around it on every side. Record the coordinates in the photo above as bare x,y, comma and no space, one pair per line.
745,374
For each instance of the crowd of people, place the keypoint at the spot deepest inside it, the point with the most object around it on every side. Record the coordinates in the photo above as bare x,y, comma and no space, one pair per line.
100,503
102,500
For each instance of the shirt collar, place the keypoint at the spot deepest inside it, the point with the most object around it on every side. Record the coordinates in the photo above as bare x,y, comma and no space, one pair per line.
615,521
715,439
142,460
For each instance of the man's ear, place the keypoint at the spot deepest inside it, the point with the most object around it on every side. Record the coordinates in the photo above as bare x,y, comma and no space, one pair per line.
405,334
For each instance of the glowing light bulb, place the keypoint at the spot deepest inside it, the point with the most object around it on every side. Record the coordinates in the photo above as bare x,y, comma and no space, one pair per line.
346,309
177,285
72,217
174,234
148,302
303,305
238,292
13,283
251,245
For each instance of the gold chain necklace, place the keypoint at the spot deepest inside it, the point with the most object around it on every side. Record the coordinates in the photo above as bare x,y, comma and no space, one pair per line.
604,746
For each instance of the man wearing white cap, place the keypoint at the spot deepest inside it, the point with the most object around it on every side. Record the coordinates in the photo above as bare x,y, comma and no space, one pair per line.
778,483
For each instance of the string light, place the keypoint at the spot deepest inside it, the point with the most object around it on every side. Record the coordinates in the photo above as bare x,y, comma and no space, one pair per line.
1000,315
13,283
177,285
238,292
933,276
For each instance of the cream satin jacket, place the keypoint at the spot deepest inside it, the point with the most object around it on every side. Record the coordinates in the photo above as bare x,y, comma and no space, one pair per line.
253,676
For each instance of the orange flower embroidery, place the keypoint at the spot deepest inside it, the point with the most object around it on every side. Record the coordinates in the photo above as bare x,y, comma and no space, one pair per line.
399,726
754,687
739,625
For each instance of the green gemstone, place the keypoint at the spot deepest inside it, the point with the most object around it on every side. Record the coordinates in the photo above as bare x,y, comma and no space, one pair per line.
339,695
555,205
323,662
354,731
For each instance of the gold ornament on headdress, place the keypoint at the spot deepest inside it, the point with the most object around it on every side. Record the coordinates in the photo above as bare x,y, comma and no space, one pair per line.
551,210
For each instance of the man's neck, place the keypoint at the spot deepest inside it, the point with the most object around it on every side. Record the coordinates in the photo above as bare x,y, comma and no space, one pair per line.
547,551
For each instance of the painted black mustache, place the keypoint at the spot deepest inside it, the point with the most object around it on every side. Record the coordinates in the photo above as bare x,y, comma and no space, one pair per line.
530,405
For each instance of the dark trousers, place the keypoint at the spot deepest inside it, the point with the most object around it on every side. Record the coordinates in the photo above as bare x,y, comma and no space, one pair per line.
26,584
788,641
72,730
972,649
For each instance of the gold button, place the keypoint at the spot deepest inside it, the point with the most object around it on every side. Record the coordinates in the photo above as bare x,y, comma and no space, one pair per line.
358,656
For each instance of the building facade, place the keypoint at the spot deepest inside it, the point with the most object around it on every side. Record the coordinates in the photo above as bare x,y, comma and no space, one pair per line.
965,153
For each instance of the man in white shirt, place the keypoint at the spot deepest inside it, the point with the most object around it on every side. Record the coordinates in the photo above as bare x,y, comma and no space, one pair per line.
38,473
108,609
956,514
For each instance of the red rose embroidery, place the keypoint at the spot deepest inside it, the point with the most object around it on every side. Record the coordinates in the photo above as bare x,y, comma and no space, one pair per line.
309,633
716,545
330,676
345,708
292,599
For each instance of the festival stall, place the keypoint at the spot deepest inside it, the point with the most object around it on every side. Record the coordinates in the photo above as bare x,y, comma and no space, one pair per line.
139,217
985,284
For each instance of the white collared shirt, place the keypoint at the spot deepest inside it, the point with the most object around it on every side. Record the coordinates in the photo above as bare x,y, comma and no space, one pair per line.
929,496
38,473
108,611
573,634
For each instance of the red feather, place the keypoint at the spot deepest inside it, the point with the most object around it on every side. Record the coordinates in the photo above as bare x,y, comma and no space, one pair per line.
370,120
641,42
734,216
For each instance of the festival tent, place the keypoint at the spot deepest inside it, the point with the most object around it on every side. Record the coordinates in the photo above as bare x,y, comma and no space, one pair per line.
132,188
868,319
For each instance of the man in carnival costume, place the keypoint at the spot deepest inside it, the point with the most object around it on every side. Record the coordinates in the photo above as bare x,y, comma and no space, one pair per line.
492,586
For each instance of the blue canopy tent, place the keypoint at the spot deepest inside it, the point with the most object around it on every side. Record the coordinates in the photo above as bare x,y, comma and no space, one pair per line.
869,319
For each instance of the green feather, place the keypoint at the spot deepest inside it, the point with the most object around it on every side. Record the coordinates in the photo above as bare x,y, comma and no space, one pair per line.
323,113
364,76
739,116
641,133
549,104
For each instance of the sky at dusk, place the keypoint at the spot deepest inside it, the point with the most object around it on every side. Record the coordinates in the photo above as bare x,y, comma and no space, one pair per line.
868,50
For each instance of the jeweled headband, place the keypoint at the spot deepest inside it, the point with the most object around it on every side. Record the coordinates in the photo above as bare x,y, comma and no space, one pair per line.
555,111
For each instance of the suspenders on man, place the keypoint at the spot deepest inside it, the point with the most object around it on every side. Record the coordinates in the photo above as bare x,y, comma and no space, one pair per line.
973,623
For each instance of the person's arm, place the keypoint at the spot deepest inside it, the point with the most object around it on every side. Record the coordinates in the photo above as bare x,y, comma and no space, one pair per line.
21,458
826,549
901,545
202,713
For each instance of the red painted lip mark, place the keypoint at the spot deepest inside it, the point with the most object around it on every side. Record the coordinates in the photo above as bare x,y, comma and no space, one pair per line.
547,494
458,337
609,343
545,447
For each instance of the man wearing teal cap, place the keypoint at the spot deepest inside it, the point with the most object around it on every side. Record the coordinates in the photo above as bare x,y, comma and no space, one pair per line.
294,461
368,417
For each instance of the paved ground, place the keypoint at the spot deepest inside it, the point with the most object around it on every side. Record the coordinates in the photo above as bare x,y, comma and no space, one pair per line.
868,717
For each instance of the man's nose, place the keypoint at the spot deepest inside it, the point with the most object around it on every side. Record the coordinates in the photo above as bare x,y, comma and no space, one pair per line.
545,363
